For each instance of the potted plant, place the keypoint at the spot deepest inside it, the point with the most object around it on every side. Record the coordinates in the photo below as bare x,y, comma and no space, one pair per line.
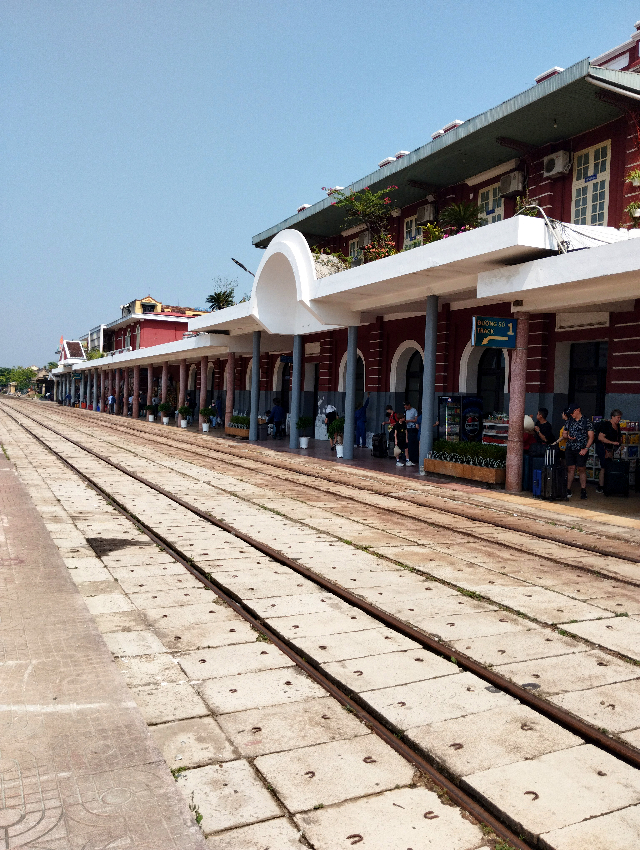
633,177
184,411
303,424
336,431
165,408
633,209
206,413
149,409
458,218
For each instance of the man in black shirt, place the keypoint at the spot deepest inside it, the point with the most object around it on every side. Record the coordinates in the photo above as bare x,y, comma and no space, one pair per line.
608,439
580,436
543,430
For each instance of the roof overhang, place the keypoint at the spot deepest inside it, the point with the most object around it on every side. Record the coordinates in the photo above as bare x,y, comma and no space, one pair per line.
559,108
610,273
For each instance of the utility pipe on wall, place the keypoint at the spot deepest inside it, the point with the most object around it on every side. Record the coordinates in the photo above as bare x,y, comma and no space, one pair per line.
296,378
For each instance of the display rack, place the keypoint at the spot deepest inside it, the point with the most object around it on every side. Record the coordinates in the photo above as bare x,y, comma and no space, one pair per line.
495,432
452,422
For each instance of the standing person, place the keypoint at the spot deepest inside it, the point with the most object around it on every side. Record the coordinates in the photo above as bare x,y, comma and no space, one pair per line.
277,414
155,401
580,436
608,439
411,417
67,399
399,432
390,420
543,430
111,401
330,415
220,410
130,406
361,423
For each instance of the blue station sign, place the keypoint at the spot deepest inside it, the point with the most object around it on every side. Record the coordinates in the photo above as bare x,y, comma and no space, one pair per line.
492,332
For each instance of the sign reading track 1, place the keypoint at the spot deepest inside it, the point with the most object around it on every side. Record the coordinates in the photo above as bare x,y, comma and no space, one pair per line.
491,332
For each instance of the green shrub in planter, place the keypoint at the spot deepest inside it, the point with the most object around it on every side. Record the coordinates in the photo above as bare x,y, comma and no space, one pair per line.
165,408
304,423
207,412
474,454
336,428
239,422
184,411
148,408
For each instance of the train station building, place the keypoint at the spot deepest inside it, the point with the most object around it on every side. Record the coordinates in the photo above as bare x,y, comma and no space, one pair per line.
316,331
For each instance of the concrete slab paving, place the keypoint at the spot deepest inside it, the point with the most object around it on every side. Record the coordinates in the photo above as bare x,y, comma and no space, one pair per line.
229,661
393,668
499,736
286,727
632,737
299,604
420,703
150,670
574,672
109,603
558,789
455,626
277,834
121,621
328,623
168,701
334,772
615,707
545,605
535,642
228,795
205,635
621,634
615,831
342,646
192,743
402,819
257,690
212,611
133,643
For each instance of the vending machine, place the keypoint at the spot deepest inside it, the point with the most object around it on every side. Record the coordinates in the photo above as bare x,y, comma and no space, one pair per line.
460,418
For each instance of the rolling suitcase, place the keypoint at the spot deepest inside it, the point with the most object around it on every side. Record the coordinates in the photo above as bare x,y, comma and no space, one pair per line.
379,445
554,483
616,478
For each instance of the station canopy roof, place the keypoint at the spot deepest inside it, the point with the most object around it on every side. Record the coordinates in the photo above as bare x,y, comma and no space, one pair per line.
576,100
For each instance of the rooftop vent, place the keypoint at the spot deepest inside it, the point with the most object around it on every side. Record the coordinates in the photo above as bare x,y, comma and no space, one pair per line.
550,73
437,134
452,126
304,207
400,154
386,161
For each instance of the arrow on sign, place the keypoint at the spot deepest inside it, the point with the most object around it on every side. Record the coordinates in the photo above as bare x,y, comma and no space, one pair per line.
497,338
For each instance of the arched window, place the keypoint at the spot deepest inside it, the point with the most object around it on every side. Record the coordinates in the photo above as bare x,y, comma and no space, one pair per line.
491,380
413,383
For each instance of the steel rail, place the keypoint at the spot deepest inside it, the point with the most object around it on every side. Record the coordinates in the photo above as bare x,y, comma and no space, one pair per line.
458,796
449,511
624,752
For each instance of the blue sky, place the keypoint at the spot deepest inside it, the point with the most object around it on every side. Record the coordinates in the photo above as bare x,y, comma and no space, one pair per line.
145,143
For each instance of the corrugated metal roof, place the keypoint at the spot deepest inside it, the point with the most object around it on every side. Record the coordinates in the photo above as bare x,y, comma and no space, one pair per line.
565,99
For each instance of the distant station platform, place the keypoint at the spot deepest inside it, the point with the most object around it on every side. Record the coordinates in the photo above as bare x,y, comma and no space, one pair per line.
78,768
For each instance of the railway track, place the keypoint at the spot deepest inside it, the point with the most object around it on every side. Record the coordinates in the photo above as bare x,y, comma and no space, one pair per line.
387,729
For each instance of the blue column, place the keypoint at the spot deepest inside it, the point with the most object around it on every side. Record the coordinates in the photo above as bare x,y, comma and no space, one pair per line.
255,387
296,378
82,377
429,379
350,395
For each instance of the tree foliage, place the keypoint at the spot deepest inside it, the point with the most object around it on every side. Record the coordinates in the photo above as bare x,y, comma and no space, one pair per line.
372,209
22,376
223,295
456,218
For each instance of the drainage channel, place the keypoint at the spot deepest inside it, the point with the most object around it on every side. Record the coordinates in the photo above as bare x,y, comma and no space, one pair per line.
566,720
455,794
622,551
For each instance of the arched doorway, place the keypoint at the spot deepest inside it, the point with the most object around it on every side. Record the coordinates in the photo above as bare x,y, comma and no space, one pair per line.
413,383
491,380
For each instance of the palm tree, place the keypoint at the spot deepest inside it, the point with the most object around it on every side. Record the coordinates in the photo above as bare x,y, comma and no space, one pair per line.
220,299
223,294
459,216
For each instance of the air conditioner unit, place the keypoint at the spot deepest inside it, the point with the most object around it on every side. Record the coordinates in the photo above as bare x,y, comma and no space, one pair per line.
364,239
557,164
511,184
426,213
